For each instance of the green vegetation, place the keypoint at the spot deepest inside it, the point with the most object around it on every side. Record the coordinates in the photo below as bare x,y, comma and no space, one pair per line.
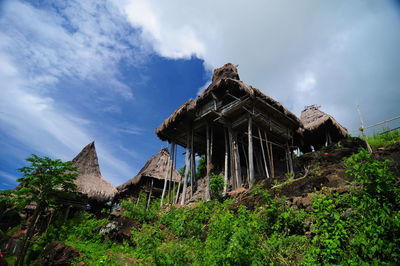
358,226
44,181
380,139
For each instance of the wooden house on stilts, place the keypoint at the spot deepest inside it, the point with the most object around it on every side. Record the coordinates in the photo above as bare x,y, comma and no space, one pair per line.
244,134
158,172
320,129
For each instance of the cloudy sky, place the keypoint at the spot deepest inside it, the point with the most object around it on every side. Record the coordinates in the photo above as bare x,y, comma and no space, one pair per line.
112,71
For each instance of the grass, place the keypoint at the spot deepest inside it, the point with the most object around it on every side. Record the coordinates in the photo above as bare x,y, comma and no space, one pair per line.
379,140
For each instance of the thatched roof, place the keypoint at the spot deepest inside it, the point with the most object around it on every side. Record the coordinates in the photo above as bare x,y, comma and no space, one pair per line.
156,167
313,119
225,81
89,181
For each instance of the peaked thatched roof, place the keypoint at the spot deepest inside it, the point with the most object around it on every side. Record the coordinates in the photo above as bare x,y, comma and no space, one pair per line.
156,167
89,180
225,80
313,119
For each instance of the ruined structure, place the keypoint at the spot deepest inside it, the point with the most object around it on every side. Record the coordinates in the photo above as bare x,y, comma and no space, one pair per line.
157,172
89,182
320,129
245,135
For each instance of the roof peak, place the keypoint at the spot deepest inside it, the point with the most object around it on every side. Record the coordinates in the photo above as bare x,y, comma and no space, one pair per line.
226,71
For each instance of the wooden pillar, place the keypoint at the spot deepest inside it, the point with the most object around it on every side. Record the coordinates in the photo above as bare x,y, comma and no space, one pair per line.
226,164
246,161
208,163
263,152
269,153
236,156
232,159
168,168
250,152
192,165
149,199
187,166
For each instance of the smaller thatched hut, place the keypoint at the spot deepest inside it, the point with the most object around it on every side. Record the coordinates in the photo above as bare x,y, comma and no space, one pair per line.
151,177
320,129
89,182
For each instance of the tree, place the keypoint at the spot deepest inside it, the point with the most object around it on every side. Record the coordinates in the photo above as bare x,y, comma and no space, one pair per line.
43,182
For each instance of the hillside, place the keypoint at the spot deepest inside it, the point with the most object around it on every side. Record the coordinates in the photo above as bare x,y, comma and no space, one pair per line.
342,206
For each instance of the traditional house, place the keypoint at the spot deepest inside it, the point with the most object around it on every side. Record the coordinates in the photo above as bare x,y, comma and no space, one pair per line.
320,129
89,182
155,174
245,134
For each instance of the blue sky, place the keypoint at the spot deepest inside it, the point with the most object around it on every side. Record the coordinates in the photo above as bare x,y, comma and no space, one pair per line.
112,71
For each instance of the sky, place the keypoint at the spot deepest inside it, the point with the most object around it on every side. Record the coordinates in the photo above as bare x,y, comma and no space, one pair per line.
72,72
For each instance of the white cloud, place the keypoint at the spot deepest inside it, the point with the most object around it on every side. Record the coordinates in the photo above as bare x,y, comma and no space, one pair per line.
331,53
39,48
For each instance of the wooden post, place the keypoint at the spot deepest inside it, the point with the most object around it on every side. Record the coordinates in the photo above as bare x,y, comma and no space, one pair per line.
246,161
171,172
232,159
187,165
269,153
237,161
263,152
192,165
207,192
272,160
165,180
250,152
226,164
149,199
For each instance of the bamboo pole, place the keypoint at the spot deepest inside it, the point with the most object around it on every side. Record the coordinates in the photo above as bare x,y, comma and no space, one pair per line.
263,152
272,161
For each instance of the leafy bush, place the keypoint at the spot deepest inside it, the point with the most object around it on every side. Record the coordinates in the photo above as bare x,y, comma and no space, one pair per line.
216,186
138,210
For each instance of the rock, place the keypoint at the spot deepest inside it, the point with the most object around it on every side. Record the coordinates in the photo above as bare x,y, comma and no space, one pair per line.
57,253
119,229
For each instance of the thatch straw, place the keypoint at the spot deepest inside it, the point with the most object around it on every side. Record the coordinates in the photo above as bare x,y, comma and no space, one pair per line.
89,181
156,167
313,119
225,80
